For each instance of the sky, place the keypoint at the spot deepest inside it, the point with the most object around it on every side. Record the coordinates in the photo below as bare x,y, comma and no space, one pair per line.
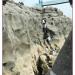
65,8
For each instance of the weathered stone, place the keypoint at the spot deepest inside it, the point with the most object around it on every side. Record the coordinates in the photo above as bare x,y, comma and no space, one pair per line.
23,37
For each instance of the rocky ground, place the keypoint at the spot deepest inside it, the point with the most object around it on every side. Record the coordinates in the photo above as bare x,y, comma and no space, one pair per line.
24,51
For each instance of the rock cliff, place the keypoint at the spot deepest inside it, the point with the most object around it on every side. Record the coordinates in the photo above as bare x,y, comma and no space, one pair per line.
23,47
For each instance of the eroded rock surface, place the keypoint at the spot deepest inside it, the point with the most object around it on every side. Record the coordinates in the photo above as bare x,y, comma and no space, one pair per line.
23,38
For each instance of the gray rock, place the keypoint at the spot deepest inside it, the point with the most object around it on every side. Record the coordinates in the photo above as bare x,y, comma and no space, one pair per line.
9,65
22,28
63,63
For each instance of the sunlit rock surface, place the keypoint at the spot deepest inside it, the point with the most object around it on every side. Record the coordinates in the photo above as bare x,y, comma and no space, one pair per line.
23,38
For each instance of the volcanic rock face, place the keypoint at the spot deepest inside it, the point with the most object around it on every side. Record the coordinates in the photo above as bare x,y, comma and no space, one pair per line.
23,45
